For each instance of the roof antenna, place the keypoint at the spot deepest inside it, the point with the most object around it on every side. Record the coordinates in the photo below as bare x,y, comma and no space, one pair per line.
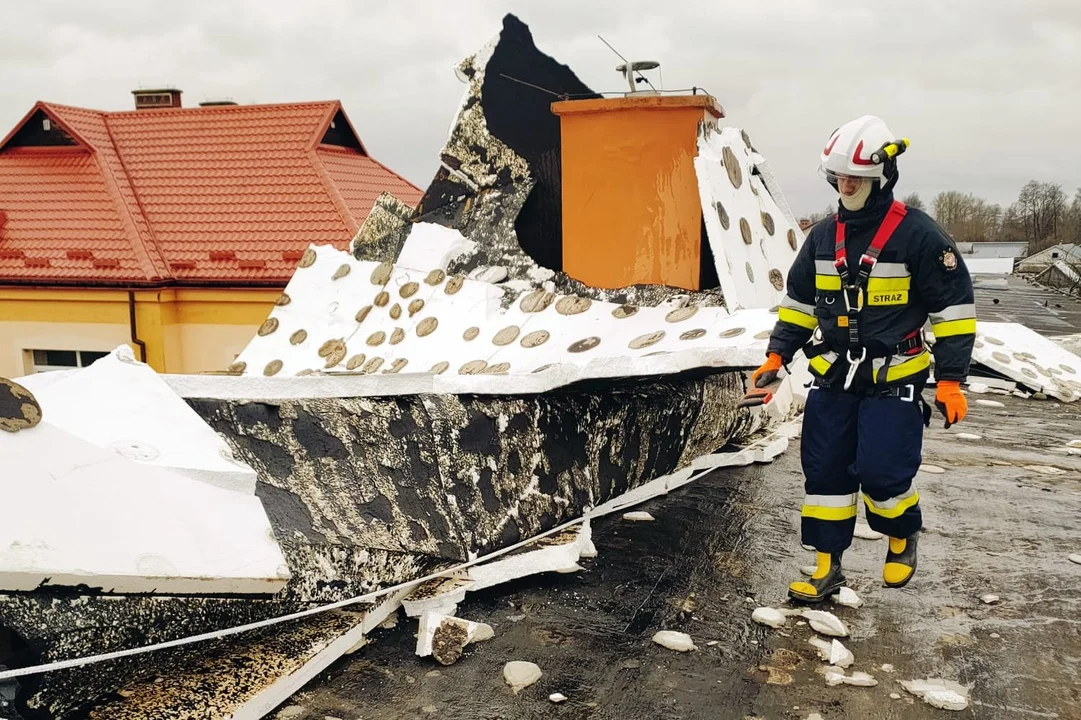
629,69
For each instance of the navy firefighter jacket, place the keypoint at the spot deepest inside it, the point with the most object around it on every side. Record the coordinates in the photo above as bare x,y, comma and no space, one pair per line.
919,276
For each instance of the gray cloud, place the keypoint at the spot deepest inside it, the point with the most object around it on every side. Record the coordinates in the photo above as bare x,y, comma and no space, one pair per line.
988,91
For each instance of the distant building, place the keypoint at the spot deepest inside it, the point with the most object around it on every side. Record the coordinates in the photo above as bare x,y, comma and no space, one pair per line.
171,229
1068,253
1062,275
991,258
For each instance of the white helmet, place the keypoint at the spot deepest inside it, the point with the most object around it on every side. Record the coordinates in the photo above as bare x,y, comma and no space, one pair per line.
861,148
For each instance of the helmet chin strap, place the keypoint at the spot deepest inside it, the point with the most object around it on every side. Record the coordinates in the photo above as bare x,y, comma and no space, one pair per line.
858,199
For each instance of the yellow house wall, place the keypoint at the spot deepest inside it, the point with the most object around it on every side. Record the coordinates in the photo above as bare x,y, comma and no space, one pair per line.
185,330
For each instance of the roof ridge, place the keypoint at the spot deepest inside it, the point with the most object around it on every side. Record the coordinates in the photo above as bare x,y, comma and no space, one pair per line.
219,109
151,260
209,108
352,225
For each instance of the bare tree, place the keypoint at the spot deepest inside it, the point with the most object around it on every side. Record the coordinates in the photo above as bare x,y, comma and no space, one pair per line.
1041,210
913,201
830,211
967,218
1071,220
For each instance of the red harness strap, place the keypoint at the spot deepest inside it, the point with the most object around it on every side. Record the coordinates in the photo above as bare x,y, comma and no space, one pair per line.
885,231
853,288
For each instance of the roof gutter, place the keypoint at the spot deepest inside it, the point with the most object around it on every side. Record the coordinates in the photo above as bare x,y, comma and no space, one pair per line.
134,330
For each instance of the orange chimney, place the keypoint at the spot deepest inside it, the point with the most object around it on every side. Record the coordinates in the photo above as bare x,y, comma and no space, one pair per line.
631,208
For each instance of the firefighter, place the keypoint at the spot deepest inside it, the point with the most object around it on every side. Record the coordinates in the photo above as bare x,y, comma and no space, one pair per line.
858,296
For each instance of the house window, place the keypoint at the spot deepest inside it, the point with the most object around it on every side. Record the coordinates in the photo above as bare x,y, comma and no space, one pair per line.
48,360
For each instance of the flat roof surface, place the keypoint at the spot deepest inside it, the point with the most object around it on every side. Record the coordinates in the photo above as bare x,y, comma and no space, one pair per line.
1011,298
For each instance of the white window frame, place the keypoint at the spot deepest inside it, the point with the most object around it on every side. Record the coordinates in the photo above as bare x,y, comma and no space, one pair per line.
55,368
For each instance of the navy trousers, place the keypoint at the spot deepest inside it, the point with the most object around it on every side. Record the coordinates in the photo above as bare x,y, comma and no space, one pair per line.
852,443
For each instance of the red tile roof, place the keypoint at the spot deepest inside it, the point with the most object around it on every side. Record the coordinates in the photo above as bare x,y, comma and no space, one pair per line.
209,195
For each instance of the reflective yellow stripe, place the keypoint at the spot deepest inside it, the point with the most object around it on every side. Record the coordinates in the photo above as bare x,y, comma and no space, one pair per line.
828,282
820,364
898,508
954,327
821,512
909,367
796,317
964,311
888,284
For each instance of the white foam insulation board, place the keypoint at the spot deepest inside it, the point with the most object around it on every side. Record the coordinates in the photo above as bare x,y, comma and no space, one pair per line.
1030,359
753,241
122,405
452,334
88,516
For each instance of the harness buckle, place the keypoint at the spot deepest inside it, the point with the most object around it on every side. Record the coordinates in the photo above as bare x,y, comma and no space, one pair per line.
853,366
851,291
911,393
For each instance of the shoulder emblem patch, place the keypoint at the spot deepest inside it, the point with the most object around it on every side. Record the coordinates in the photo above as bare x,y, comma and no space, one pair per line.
949,260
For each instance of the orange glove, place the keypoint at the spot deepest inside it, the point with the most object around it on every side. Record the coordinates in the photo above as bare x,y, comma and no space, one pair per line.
766,374
950,401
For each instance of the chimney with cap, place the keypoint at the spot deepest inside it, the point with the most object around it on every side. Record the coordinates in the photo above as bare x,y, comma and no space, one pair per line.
632,213
153,99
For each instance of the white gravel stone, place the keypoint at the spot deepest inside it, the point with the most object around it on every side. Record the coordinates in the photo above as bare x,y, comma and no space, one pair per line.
996,636
848,597
932,469
823,647
638,516
836,676
808,570
861,679
520,674
864,532
990,599
977,388
826,623
840,655
990,403
557,698
894,696
1076,558
769,616
814,716
968,436
680,642
942,694
886,668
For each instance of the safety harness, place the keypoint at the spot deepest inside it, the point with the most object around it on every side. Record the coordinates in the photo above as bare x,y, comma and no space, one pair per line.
855,288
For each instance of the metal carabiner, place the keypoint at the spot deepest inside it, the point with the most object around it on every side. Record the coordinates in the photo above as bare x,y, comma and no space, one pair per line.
853,365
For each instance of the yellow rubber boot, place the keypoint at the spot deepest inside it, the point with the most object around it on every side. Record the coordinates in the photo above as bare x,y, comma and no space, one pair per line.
900,561
826,580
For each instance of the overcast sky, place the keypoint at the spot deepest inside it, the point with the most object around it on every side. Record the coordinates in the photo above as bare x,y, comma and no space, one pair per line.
989,91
